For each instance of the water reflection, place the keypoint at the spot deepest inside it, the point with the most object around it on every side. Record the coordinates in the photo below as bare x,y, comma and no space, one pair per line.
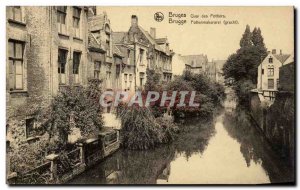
254,148
226,150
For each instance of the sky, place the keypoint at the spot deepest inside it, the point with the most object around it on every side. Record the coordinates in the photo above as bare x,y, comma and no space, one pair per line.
216,41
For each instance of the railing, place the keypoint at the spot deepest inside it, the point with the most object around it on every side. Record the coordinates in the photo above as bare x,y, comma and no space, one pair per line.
68,161
110,138
64,166
39,175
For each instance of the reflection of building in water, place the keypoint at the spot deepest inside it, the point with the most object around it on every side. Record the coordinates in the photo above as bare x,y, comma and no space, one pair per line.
230,102
165,173
111,170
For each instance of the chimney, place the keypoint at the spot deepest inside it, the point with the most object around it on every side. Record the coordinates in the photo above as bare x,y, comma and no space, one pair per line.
280,52
134,20
273,51
153,32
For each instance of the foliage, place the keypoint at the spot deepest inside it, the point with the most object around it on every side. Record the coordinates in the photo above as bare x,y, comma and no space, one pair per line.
209,94
24,157
74,107
242,89
242,65
153,80
141,130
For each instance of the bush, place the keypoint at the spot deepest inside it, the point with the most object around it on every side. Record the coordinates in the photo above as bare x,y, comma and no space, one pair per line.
74,107
141,130
208,94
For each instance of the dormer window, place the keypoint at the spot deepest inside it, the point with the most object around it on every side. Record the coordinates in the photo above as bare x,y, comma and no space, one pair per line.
270,59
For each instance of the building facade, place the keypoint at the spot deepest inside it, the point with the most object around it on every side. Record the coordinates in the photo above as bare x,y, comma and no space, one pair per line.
149,52
194,63
268,73
47,50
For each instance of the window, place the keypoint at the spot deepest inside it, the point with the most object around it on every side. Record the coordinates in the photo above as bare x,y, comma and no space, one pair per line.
262,71
15,13
141,56
30,127
61,19
270,72
108,77
128,56
107,33
97,67
270,59
125,80
142,76
15,54
107,48
270,83
62,60
76,21
76,64
130,80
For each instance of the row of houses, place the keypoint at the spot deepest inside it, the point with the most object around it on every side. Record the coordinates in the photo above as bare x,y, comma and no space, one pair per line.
199,64
49,48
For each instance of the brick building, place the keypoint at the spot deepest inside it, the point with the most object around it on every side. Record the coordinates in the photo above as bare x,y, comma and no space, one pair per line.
46,50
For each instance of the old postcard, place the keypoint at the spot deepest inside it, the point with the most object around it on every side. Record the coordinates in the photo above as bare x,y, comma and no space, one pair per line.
150,95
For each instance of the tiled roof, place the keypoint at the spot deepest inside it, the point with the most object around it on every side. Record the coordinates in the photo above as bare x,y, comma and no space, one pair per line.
96,22
282,57
149,37
161,40
93,42
195,60
117,51
118,37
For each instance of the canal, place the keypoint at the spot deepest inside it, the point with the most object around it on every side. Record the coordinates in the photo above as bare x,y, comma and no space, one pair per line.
225,150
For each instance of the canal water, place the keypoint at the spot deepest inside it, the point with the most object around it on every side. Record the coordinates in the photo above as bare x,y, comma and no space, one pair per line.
225,150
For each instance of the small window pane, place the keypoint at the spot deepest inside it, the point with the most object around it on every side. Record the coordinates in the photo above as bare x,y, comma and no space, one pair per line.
58,17
19,81
63,18
11,66
10,12
19,50
17,14
76,12
62,9
76,61
11,49
19,68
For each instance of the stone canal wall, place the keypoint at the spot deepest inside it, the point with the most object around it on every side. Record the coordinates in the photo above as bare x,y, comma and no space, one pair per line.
276,121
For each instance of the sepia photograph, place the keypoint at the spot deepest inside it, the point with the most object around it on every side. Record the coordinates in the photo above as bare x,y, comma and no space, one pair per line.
150,95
